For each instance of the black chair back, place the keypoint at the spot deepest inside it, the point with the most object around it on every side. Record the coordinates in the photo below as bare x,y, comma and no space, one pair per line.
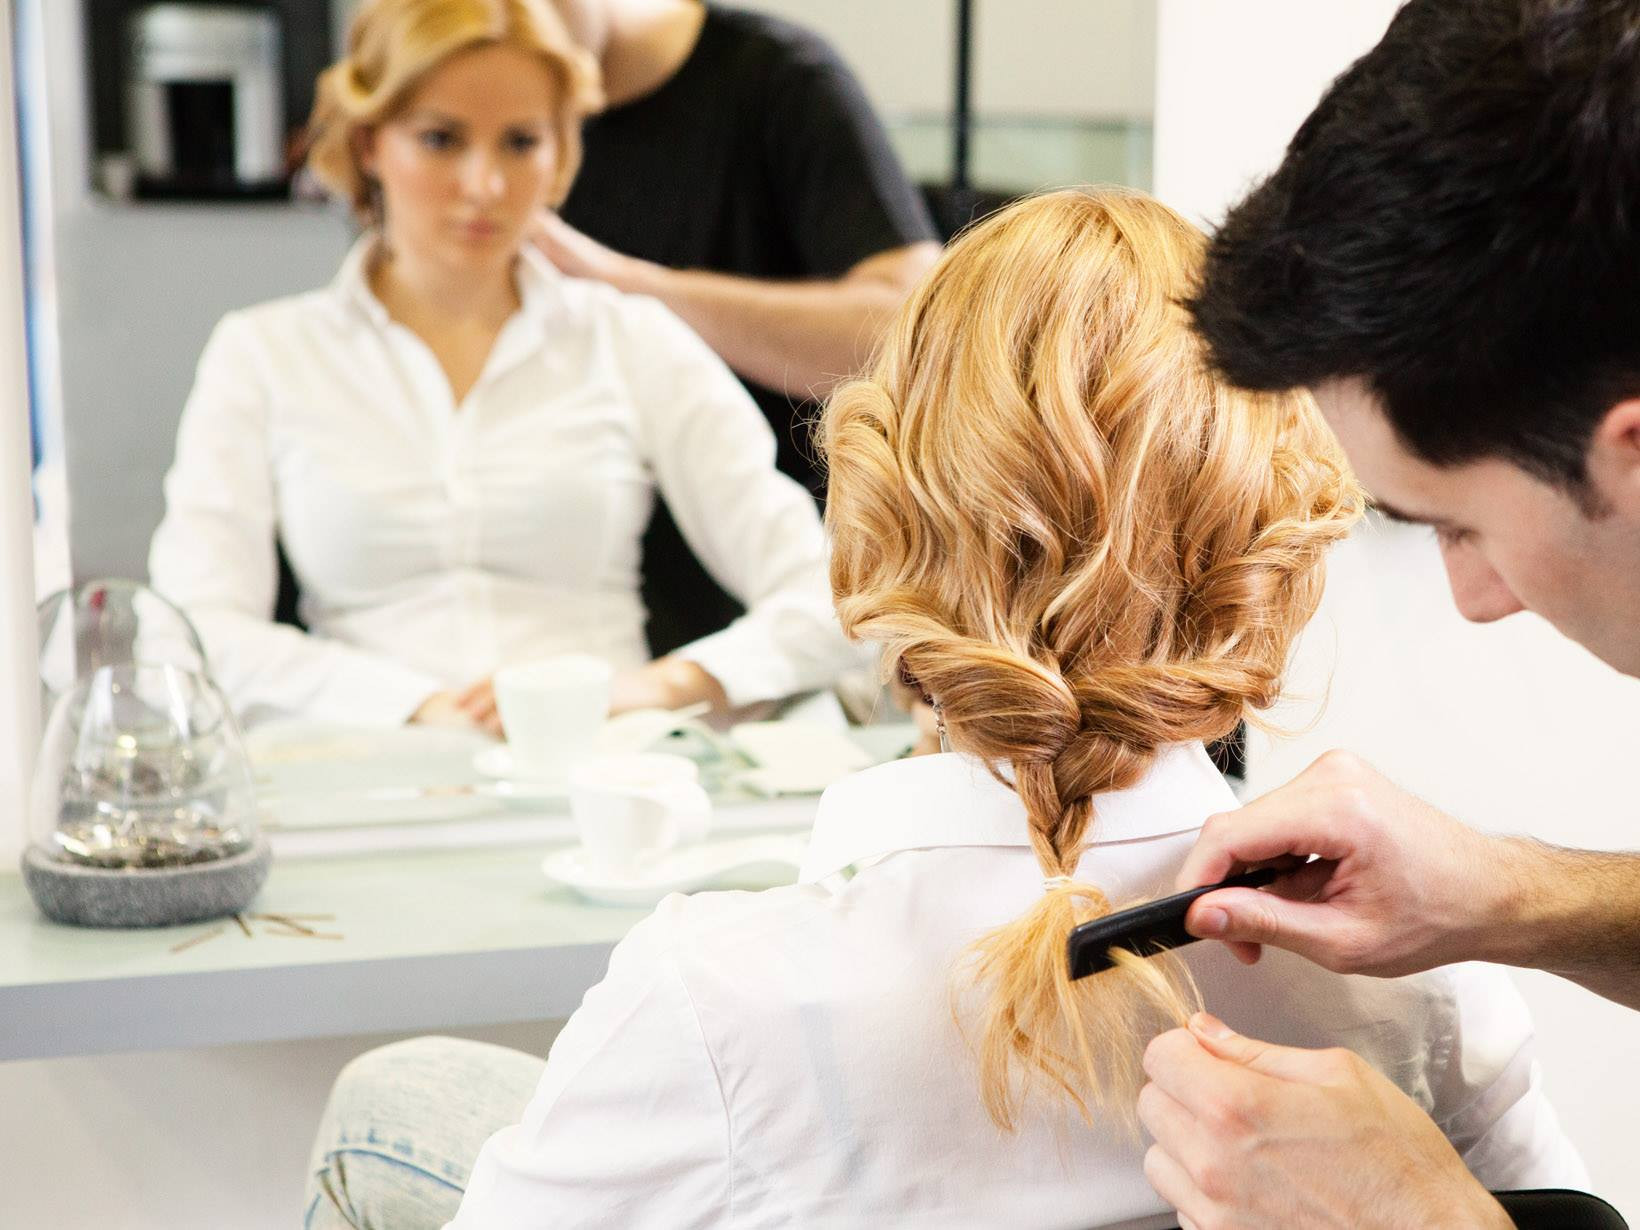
1559,1209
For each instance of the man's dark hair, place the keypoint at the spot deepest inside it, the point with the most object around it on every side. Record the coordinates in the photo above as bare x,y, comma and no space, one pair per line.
1458,225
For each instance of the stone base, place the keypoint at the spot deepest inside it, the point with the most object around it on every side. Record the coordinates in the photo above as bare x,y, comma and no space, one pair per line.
146,896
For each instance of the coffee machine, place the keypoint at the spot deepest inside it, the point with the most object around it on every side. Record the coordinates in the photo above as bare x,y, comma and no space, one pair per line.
205,103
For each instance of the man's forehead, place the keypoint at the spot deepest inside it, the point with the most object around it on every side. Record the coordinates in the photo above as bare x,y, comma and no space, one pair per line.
1404,486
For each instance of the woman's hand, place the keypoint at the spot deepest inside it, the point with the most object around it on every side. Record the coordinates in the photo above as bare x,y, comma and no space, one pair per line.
666,683
472,707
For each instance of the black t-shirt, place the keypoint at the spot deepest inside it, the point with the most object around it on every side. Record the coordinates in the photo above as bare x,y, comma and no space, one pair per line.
759,157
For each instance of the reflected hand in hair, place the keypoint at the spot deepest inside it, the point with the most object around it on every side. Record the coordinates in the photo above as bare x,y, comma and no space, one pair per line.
472,707
579,256
1250,1134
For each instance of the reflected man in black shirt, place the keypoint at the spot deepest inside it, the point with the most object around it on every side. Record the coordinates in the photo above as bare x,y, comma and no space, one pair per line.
739,176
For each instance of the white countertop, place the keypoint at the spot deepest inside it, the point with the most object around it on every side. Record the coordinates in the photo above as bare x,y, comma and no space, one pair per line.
434,933
430,939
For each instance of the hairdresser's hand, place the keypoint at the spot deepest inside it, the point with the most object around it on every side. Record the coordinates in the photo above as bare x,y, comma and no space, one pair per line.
1398,887
580,256
1250,1135
472,707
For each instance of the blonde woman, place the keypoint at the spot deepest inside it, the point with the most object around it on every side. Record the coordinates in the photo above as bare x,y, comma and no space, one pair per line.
1091,556
458,447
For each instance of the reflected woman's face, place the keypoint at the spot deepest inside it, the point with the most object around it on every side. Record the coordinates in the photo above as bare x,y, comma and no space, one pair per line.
468,160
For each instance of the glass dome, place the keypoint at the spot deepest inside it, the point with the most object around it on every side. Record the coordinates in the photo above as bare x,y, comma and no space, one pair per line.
143,766
110,622
143,779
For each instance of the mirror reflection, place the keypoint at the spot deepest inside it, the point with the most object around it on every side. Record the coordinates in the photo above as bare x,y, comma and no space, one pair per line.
396,363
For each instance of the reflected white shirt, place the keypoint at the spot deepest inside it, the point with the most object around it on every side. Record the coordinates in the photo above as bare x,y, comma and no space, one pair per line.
789,1058
437,542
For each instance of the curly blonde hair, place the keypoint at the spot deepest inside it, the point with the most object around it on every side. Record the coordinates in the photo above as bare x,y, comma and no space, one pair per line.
393,44
1085,548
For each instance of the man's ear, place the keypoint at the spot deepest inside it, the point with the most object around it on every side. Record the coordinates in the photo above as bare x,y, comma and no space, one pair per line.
1614,457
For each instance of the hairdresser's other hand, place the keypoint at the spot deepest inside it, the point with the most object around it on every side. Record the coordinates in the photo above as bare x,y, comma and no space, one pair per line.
1250,1135
666,683
472,706
579,256
1398,886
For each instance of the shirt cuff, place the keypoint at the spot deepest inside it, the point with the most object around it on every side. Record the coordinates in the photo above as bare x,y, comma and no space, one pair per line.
748,663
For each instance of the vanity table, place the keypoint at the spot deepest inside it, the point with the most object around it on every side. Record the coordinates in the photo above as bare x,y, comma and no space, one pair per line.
427,893
431,939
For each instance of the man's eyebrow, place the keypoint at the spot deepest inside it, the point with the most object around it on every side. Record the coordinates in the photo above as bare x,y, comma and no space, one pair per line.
1395,514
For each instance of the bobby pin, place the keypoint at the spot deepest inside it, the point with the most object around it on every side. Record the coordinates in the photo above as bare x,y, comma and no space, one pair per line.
200,938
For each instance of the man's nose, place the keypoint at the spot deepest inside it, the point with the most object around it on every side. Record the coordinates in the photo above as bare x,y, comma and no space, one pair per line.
1480,593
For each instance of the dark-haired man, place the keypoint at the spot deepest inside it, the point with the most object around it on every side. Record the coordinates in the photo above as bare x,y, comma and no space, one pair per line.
1449,256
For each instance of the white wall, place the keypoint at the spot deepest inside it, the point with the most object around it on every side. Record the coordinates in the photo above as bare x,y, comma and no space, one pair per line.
177,1140
1233,82
1067,58
1508,726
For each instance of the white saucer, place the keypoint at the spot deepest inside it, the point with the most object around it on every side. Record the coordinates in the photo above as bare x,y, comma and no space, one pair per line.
677,871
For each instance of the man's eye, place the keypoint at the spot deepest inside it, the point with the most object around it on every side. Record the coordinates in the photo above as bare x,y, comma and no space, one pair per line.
523,142
436,139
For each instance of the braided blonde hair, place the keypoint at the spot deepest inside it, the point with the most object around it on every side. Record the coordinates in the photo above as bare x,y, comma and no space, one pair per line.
1086,548
393,44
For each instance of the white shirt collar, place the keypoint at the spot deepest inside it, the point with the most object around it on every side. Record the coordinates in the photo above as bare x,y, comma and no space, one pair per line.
540,285
927,802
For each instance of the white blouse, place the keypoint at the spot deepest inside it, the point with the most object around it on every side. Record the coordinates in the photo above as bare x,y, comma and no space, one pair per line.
789,1058
436,542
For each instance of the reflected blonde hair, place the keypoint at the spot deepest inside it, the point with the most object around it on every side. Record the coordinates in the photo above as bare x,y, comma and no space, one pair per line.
391,47
1086,548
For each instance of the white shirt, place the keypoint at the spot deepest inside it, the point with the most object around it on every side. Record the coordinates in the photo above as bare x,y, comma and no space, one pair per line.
789,1058
437,542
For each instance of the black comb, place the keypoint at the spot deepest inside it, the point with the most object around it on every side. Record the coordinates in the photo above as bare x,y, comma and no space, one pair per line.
1149,928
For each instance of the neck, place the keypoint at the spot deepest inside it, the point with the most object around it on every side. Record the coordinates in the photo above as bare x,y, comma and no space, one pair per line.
413,289
644,43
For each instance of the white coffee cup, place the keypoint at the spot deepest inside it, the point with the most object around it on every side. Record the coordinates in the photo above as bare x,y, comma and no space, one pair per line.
629,810
552,711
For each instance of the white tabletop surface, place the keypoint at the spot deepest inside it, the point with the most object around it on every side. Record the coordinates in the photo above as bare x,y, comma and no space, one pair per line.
429,938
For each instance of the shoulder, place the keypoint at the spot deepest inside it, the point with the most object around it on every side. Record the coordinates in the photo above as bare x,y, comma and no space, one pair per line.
278,326
718,943
769,39
643,329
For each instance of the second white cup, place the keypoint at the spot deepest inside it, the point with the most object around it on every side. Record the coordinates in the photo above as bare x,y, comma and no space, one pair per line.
631,809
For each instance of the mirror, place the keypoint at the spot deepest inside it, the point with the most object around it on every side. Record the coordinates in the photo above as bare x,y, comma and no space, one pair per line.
124,290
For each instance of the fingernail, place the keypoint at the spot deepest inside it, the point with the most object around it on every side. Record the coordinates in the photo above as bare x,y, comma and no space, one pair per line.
1212,922
1208,1025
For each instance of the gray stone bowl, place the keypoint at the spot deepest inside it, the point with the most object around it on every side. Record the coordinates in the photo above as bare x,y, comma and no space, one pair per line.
145,896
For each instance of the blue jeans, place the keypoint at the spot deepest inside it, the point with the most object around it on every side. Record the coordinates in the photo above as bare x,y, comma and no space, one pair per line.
403,1127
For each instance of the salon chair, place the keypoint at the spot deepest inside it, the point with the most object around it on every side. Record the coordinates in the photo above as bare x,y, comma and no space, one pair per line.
1558,1209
